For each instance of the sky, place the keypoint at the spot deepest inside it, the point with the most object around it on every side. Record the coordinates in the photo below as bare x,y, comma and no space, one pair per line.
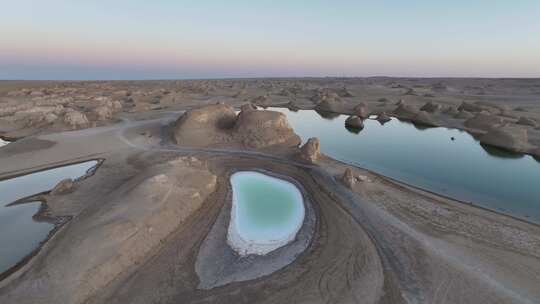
166,39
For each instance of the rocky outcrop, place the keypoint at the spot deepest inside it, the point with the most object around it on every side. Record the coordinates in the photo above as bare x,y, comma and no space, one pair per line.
205,126
262,100
50,117
258,129
483,122
348,178
361,110
330,105
325,95
76,120
310,151
63,187
470,107
450,110
128,229
462,114
430,107
103,113
248,107
344,92
383,118
525,121
423,118
219,125
508,137
354,122
405,111
292,106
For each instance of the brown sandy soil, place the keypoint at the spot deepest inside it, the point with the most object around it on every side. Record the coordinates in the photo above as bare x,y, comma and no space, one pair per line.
139,222
513,105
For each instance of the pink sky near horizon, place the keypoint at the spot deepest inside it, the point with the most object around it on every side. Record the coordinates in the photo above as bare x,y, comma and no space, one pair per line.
175,40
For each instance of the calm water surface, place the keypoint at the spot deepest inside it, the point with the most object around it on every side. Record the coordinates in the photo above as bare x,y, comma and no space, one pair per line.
267,207
19,233
267,211
430,159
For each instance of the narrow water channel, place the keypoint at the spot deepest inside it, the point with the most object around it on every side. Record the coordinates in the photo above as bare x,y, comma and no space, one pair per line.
20,234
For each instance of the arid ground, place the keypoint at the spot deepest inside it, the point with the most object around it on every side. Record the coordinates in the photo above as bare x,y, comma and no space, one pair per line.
149,225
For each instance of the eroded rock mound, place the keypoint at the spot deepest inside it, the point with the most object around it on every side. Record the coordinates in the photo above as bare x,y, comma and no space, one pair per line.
258,129
405,111
525,121
423,118
248,107
450,110
348,178
103,113
462,114
330,105
218,125
430,107
482,121
205,126
508,137
361,110
470,107
76,119
311,150
63,187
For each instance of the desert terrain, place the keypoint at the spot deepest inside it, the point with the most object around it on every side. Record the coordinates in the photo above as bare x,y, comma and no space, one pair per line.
147,226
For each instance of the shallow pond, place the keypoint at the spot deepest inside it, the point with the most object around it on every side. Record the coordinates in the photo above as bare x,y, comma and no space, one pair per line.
266,213
20,234
446,161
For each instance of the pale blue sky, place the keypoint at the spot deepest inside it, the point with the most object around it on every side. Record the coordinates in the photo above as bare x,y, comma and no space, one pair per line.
69,39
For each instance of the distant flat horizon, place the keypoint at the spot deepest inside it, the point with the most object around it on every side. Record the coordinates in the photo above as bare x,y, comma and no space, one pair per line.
269,77
140,40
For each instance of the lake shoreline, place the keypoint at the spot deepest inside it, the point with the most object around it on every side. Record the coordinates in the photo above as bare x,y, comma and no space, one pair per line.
147,213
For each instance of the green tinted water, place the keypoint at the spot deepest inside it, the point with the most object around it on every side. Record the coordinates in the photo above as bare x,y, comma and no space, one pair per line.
267,212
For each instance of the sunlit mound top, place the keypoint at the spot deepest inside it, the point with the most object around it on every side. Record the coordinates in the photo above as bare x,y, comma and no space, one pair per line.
218,125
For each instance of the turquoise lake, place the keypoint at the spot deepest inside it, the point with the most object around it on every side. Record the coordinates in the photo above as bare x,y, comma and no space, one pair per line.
267,212
428,158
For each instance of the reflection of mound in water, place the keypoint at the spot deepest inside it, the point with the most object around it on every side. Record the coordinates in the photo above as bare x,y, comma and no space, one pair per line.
327,115
354,124
353,129
500,153
418,126
421,126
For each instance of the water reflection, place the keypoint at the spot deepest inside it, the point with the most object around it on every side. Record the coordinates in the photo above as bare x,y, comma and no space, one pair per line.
20,234
353,130
498,152
430,159
326,115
